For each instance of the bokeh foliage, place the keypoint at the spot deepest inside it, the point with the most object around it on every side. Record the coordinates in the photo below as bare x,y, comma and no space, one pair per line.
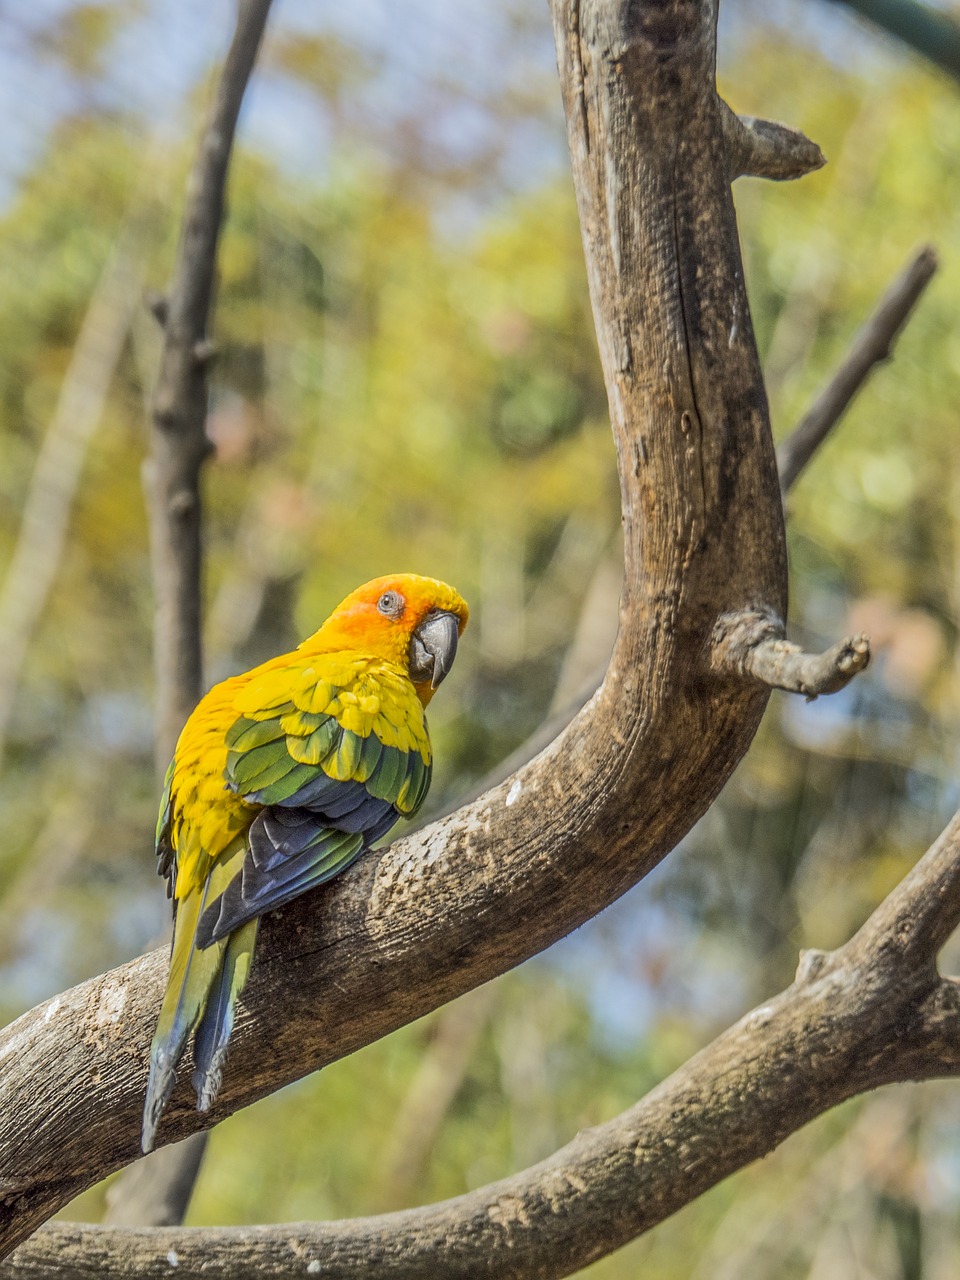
407,378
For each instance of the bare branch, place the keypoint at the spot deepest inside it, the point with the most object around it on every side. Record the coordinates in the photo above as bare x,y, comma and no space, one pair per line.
872,1013
783,665
913,924
179,441
873,344
931,31
158,1189
49,501
764,149
751,643
437,913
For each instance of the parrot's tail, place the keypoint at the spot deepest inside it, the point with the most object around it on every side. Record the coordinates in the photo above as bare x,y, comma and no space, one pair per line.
210,1042
192,975
201,995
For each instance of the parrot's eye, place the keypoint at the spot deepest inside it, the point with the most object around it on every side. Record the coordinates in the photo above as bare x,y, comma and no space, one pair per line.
391,604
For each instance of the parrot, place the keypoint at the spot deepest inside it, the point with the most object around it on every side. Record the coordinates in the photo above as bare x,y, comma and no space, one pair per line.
281,778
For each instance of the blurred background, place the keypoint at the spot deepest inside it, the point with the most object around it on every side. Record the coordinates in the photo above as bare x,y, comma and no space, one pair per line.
408,380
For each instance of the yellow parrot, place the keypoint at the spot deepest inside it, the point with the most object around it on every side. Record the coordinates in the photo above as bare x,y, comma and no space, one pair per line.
281,778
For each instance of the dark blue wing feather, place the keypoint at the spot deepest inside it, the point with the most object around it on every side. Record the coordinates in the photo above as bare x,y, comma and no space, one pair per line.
271,878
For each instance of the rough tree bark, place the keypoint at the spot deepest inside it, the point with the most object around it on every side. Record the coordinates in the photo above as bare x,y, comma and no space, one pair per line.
873,1012
705,587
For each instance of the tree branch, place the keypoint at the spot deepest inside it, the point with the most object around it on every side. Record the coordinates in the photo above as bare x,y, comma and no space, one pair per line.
752,643
834,669
179,444
869,1014
764,149
435,914
783,665
38,551
872,344
157,1190
929,31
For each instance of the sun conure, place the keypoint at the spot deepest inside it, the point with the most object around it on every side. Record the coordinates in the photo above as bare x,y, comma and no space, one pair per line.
281,778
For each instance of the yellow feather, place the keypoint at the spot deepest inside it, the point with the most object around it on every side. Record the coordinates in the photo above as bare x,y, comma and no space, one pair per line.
353,719
355,669
300,723
310,750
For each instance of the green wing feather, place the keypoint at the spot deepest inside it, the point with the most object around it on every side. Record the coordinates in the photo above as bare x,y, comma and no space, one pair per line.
333,751
367,728
342,758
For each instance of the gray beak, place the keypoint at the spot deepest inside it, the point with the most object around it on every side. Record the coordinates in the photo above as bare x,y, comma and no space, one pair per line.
433,647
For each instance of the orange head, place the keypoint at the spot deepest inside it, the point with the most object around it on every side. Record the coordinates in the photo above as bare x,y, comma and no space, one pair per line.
411,621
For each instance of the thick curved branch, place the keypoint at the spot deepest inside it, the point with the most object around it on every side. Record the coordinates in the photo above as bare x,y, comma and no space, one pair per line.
872,345
872,1013
440,912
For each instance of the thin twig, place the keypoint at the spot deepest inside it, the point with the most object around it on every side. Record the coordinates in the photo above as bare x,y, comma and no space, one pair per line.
179,441
873,344
783,665
43,527
916,920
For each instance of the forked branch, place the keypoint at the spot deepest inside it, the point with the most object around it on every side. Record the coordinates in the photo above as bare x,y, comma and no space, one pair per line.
446,909
450,907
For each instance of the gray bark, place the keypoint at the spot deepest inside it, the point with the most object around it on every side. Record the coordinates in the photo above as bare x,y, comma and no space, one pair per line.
450,907
179,443
873,1012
